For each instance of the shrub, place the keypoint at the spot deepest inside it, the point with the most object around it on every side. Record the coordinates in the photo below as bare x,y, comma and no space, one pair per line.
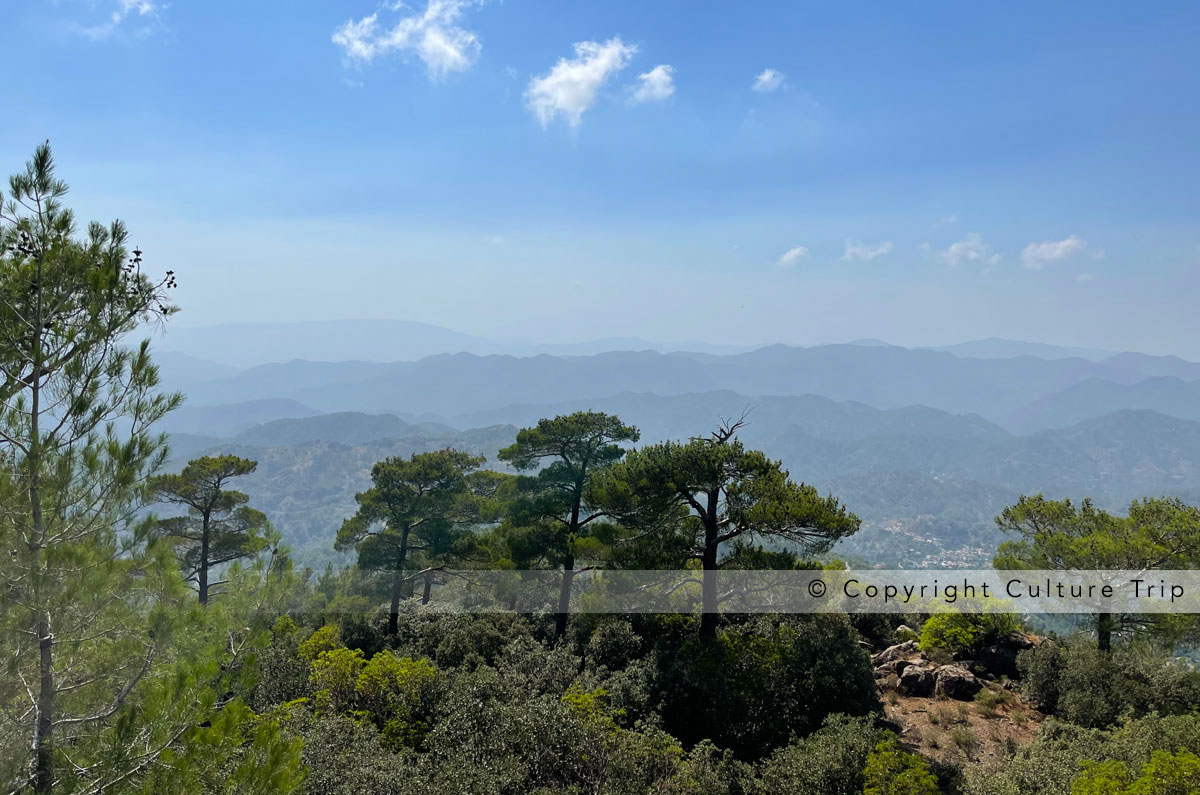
335,676
963,634
324,639
965,739
756,684
1164,774
891,770
1084,685
828,762
396,694
987,700
1059,753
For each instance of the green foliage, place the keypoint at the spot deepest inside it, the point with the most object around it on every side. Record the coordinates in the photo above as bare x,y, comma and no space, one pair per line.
396,692
237,752
963,634
831,761
891,770
1164,774
761,682
327,638
1081,684
723,484
335,676
106,666
1060,752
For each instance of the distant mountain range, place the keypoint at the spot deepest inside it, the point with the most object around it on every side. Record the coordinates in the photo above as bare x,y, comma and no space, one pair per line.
248,344
883,377
996,348
244,345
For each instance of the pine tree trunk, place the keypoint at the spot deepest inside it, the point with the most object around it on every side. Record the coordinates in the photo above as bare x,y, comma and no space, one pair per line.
708,618
428,587
394,611
564,597
43,780
43,739
398,585
204,561
708,561
1104,630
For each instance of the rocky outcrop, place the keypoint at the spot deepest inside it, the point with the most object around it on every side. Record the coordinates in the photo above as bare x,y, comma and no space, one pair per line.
892,653
917,680
956,682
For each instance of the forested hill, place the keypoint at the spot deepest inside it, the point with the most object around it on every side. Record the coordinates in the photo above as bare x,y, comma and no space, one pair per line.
899,469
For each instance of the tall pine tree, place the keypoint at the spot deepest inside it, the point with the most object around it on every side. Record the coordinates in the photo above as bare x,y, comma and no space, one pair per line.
219,526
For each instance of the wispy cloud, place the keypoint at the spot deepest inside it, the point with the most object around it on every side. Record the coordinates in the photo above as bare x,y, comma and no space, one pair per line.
767,81
654,86
792,256
570,87
1085,277
970,249
866,251
1036,256
433,35
148,9
947,220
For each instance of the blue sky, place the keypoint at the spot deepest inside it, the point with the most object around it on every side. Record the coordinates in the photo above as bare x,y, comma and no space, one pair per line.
569,170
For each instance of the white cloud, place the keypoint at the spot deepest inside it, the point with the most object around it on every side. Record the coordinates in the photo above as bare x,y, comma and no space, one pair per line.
124,9
947,220
434,36
767,81
865,251
1036,255
792,256
654,86
570,87
969,249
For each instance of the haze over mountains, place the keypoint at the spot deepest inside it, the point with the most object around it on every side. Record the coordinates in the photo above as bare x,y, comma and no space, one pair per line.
925,444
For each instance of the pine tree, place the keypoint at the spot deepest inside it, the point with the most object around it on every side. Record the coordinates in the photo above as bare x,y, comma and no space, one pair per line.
688,502
219,526
552,520
108,663
412,505
72,473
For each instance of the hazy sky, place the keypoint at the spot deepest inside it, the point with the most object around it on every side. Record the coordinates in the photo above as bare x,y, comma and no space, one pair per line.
742,172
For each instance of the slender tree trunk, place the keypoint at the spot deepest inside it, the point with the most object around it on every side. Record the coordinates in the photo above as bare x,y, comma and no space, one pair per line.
394,611
1105,624
428,588
564,597
708,560
708,618
43,735
398,585
204,540
43,780
568,569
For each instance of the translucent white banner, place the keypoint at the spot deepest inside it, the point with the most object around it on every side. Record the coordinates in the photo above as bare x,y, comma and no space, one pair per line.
805,591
